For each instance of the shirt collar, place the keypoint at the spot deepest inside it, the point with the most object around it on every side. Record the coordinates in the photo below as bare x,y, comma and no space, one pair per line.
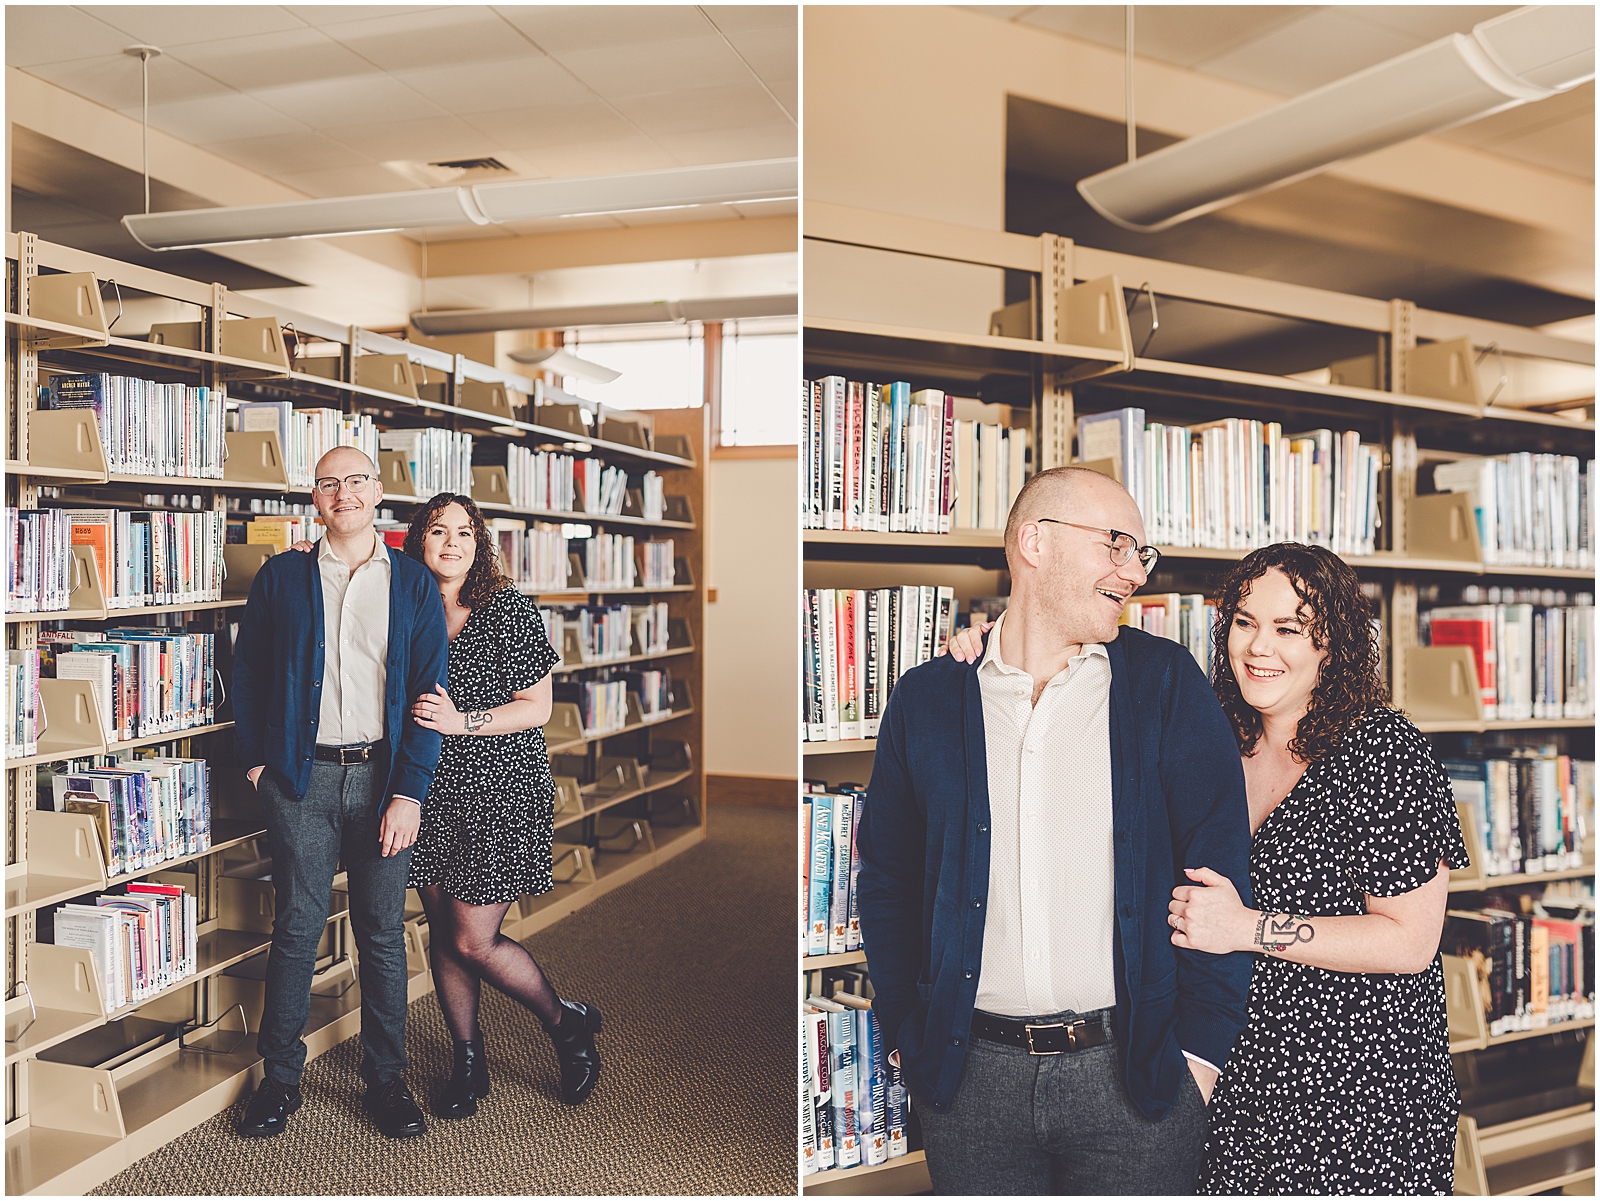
993,663
325,552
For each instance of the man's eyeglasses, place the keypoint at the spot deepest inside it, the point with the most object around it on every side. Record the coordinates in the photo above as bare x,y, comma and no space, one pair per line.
1123,548
329,485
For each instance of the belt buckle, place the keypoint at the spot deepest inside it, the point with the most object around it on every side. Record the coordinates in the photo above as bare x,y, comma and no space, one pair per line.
360,752
1071,1028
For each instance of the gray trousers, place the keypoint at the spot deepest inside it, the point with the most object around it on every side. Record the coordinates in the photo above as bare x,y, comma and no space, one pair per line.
1032,1125
337,819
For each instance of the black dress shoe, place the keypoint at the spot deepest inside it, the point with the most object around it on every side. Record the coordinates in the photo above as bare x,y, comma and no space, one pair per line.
574,1042
395,1110
268,1112
469,1081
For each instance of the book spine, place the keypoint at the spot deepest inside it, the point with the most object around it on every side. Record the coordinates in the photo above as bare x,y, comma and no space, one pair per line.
821,871
839,889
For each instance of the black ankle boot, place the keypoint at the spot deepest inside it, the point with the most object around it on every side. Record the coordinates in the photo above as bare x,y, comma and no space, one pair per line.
469,1081
574,1042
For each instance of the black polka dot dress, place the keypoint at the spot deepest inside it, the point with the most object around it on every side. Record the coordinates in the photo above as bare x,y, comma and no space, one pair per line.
1342,1084
488,823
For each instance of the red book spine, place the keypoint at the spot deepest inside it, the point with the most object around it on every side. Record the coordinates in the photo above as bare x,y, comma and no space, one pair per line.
1479,635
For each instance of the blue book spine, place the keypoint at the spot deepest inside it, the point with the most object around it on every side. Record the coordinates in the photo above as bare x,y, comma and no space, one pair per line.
874,1089
839,892
899,403
821,863
852,934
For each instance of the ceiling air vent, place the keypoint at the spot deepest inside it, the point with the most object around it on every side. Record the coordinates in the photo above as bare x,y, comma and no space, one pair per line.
472,164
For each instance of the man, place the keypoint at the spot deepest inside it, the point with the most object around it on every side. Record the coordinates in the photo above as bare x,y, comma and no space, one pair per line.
332,648
1027,820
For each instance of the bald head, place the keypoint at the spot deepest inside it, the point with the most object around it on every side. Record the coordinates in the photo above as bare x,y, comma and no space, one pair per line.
342,461
1059,493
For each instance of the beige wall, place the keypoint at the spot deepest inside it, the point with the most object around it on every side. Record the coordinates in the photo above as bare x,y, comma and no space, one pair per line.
906,110
752,632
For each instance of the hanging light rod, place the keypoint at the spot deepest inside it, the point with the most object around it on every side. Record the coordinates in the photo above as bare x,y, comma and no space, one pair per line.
483,321
564,362
479,204
1528,54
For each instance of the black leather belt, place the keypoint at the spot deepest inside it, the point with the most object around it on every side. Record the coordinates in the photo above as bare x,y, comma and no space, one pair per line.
1041,1037
348,756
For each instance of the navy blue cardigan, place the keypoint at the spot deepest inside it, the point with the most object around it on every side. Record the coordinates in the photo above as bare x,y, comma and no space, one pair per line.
277,671
1177,800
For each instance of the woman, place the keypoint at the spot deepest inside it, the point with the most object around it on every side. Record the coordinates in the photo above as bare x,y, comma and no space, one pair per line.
488,822
1342,1081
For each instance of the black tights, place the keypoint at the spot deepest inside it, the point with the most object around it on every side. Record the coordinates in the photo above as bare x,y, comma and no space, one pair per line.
465,947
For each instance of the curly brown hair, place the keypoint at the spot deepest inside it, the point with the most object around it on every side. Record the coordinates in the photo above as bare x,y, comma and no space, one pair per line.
1348,684
484,577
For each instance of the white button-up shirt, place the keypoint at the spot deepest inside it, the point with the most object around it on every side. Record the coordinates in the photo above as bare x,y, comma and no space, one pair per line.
355,622
1048,935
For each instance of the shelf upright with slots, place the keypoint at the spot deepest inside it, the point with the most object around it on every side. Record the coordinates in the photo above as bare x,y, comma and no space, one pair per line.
88,1092
1398,400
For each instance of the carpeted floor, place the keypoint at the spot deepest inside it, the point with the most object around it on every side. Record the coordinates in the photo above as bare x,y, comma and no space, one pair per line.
693,967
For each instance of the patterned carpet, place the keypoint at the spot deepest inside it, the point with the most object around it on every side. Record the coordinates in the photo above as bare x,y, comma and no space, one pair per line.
693,967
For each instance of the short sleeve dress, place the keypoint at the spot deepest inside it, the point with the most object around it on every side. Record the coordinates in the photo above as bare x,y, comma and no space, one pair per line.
1342,1084
488,823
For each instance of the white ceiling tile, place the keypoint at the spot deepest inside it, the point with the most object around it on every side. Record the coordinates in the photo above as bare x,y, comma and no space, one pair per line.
1181,34
636,69
305,151
1308,53
771,53
737,105
325,103
739,17
1565,146
424,139
114,80
217,118
1425,22
274,59
511,83
571,28
333,14
356,179
731,145
52,33
532,128
168,25
788,93
601,158
434,37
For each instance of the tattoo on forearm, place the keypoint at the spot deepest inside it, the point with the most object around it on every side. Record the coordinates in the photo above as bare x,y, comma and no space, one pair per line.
1280,931
476,721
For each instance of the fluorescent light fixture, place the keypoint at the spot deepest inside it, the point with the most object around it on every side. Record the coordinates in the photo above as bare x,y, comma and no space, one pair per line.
479,204
482,321
562,362
1527,54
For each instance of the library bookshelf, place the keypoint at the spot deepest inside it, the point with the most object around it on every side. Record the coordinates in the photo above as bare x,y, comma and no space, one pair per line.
88,1092
1533,1130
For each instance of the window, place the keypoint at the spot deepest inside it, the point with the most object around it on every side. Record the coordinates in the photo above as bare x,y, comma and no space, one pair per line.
760,375
663,366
